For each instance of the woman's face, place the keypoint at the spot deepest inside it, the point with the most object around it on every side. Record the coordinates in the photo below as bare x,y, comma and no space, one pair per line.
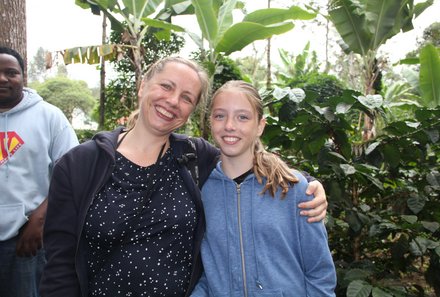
169,97
235,125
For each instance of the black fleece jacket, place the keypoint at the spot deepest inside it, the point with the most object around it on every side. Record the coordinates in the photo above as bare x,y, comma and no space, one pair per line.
76,178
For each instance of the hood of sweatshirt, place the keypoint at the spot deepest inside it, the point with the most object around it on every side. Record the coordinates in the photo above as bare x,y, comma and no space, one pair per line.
30,98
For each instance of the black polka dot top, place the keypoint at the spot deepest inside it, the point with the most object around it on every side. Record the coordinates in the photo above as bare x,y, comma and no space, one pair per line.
138,247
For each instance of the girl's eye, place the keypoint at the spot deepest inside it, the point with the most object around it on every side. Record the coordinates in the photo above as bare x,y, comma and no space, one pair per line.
218,116
243,117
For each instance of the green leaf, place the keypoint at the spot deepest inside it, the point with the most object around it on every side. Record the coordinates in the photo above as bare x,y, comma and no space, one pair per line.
434,135
377,292
391,155
343,108
207,19
409,61
371,147
181,7
162,25
381,17
288,111
244,33
339,156
141,8
431,226
279,93
316,143
196,38
430,75
409,219
356,274
348,169
415,204
225,18
359,288
351,25
270,16
420,7
371,101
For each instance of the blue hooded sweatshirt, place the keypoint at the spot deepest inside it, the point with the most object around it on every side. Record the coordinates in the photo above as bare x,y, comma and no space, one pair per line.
256,245
34,134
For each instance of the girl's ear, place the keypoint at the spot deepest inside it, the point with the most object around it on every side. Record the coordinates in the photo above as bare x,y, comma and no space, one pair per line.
261,126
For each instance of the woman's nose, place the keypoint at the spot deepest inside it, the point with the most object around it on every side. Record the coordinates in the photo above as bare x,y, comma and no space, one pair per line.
173,99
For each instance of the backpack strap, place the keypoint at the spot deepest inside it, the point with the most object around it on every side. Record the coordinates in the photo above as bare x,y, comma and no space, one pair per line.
189,160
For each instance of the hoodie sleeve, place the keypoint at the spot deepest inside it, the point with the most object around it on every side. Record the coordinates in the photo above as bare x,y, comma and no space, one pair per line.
64,137
59,276
319,269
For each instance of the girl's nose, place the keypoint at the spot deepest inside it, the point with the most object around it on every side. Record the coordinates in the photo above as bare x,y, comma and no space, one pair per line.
230,125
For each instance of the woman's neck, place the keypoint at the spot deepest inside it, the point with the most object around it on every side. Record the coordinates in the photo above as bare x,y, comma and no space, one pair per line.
143,148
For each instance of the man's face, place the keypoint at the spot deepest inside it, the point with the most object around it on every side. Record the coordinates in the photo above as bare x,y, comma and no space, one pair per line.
11,82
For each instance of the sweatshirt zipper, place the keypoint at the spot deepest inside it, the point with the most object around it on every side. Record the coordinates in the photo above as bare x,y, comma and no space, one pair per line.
240,230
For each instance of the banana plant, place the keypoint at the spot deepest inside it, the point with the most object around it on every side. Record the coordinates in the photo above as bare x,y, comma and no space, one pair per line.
132,19
223,36
430,75
364,25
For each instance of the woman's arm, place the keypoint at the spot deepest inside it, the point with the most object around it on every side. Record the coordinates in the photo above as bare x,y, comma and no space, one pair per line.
315,209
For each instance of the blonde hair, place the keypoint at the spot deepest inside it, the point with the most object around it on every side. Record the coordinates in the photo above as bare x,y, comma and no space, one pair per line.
265,164
158,66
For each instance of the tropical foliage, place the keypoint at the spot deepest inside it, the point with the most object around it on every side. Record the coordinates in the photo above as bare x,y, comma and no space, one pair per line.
383,194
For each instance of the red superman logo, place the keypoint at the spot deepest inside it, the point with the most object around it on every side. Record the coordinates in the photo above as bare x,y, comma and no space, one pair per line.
10,143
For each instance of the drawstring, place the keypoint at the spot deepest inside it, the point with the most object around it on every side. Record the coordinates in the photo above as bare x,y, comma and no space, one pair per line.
226,202
6,146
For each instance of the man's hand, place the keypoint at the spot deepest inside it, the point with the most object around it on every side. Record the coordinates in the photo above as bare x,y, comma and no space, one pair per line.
315,209
31,234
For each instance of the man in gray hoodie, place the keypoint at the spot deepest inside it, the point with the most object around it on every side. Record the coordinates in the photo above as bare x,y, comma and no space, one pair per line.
34,134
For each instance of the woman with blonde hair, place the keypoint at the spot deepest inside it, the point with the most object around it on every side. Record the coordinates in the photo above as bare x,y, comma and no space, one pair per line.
256,243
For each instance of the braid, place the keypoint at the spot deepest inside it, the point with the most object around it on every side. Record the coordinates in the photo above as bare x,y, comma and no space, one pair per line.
276,171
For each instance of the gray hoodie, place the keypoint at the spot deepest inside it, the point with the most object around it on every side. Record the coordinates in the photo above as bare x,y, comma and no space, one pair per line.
34,134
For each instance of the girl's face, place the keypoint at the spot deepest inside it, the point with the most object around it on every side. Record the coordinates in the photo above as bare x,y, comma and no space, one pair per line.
168,98
234,125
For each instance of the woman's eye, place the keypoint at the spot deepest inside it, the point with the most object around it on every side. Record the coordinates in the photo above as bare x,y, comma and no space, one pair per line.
187,99
166,86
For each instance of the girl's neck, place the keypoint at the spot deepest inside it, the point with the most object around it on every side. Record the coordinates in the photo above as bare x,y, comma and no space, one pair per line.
236,166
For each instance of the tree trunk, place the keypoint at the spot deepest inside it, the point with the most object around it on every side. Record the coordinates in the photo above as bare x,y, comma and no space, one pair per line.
13,27
268,71
102,77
